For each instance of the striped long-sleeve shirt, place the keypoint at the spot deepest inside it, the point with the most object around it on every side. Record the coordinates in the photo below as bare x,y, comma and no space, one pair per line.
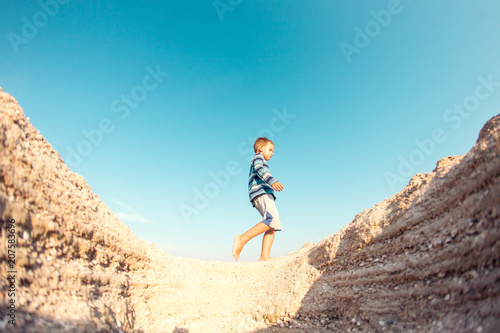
260,178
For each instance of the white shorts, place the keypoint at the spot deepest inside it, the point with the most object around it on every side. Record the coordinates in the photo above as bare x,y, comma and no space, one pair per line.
267,208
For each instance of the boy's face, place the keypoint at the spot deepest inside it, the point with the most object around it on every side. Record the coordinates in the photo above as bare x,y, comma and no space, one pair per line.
267,151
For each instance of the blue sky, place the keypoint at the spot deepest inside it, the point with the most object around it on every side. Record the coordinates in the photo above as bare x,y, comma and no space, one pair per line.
156,104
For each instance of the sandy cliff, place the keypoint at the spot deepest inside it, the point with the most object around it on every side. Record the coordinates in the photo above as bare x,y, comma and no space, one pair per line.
426,259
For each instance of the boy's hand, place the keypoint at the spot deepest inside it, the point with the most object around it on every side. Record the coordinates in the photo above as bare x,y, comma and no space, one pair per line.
277,186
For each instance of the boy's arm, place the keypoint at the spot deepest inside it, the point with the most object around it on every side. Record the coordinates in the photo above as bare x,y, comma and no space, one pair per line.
263,171
277,186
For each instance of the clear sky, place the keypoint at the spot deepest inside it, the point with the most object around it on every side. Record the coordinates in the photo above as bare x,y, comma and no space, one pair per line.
157,103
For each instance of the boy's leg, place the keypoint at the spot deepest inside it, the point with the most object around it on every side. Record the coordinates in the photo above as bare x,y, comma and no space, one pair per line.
241,240
267,242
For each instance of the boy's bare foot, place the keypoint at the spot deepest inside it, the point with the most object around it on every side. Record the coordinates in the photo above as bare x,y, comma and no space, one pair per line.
237,247
267,259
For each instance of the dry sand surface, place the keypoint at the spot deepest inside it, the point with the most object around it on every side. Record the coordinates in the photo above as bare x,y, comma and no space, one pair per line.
424,260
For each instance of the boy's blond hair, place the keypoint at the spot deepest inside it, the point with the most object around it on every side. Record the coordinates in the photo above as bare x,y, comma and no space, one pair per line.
262,141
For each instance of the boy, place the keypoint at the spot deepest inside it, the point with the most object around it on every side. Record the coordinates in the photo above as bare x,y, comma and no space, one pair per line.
261,187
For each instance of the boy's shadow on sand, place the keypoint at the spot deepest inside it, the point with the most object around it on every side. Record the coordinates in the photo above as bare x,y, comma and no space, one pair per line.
180,330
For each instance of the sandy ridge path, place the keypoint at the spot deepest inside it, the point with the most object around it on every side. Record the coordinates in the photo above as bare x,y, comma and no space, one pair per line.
201,296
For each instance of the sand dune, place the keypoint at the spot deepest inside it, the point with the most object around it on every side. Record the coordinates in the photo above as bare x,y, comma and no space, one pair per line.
424,260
